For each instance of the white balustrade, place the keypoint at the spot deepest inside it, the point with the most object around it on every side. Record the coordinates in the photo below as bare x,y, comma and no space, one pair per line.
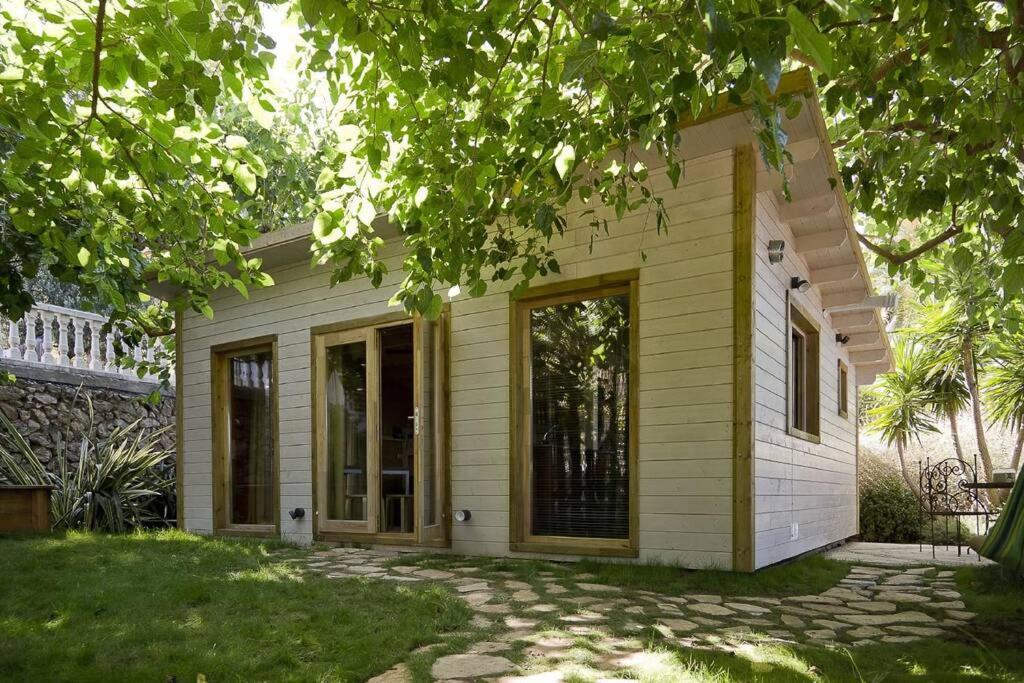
32,340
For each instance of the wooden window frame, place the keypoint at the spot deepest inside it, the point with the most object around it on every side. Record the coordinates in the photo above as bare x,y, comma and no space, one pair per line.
220,355
798,320
348,331
843,389
521,540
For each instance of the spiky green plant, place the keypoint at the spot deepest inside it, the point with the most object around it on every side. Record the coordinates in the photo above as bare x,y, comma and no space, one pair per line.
1004,391
902,408
115,483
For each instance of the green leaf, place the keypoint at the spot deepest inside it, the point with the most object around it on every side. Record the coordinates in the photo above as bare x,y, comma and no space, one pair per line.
565,160
83,257
244,176
809,39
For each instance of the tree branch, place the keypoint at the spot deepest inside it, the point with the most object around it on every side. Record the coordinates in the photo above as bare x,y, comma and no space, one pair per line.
97,56
899,259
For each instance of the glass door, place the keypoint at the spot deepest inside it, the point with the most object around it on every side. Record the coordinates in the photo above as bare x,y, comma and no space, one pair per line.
378,446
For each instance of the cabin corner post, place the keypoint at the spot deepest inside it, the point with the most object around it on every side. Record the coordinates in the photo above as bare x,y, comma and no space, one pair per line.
744,179
179,418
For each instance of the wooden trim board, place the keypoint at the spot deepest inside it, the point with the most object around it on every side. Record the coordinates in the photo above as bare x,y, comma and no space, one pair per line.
179,417
744,181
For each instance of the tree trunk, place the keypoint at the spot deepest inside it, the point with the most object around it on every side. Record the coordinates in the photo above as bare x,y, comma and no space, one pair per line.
905,470
954,429
970,375
1017,450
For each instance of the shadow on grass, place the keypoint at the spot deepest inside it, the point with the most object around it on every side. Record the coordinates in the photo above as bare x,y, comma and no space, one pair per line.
90,607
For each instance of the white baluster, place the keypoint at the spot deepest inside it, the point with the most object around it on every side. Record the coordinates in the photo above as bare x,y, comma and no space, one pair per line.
111,365
30,337
63,355
46,355
13,340
94,352
79,359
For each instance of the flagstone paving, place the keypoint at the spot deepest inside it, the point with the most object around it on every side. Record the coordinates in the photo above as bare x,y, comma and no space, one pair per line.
551,628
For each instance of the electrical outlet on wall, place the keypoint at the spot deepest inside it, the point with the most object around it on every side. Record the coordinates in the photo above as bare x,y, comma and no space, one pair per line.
794,531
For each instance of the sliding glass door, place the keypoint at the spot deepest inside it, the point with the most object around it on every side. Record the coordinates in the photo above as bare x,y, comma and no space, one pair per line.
377,449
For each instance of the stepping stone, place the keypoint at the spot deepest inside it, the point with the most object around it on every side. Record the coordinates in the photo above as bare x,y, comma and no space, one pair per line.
959,615
596,588
711,609
953,604
814,600
525,596
865,632
862,643
900,639
716,599
873,606
798,611
434,574
487,647
679,624
543,677
749,609
543,608
476,599
472,587
398,674
790,620
948,594
518,623
365,569
901,597
555,589
820,634
469,666
829,624
635,609
831,609
405,568
927,631
667,607
704,621
886,619
581,618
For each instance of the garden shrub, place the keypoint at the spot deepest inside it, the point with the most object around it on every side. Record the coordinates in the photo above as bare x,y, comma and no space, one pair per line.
889,510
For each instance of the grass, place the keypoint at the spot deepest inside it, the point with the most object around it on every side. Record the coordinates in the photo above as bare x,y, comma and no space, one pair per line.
149,607
812,574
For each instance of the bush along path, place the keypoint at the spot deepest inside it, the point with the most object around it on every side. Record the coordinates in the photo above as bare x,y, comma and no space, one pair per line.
554,626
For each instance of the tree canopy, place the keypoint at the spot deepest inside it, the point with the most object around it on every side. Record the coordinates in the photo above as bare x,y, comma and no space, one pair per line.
472,125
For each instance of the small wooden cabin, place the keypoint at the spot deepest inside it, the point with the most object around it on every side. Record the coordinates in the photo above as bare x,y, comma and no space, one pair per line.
697,407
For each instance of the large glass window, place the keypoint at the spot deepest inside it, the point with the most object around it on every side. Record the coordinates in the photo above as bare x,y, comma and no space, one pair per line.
804,398
577,418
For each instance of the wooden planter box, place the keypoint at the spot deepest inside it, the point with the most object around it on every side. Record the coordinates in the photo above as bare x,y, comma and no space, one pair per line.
25,509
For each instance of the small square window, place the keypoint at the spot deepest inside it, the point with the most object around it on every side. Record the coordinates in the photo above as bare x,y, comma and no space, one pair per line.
844,390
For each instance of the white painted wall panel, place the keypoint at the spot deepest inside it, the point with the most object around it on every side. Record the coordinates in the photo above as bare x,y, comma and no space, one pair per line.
796,481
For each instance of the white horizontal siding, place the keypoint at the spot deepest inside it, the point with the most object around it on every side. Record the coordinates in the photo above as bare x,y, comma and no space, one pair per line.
796,481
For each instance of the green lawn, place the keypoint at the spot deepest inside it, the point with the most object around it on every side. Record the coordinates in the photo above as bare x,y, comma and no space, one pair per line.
147,607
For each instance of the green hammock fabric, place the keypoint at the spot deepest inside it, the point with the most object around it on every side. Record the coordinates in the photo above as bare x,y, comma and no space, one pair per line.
1005,541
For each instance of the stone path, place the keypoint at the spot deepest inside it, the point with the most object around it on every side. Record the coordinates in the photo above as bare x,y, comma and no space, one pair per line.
906,555
555,627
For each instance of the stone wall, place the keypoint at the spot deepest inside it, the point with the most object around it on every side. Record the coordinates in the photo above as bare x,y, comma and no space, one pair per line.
44,412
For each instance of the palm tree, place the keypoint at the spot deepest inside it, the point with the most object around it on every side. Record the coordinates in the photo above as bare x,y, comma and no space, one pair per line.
948,394
902,407
1004,388
955,330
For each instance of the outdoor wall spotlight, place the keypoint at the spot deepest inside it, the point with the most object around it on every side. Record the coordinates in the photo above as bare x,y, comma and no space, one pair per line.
776,250
842,338
463,515
799,284
297,513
